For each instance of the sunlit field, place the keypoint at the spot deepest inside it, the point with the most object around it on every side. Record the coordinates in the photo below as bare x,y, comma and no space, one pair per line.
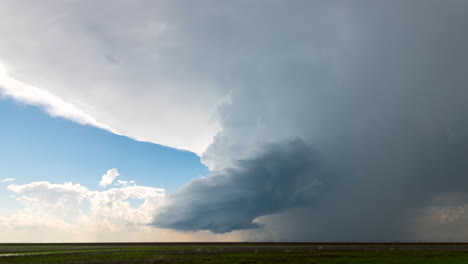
235,253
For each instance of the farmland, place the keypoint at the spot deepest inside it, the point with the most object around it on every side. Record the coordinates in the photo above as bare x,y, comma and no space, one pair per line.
235,253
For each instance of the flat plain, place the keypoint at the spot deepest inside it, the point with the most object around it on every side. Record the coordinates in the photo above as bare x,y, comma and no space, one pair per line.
123,253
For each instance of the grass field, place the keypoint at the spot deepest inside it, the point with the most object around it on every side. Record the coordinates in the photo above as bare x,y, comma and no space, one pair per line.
235,253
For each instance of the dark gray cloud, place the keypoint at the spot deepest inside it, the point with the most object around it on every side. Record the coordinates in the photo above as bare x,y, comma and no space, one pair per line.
284,175
378,88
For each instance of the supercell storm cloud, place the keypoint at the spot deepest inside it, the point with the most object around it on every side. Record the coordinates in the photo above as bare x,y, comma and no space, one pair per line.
377,89
318,119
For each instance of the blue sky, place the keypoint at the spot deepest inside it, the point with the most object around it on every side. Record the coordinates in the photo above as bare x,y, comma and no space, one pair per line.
38,147
54,167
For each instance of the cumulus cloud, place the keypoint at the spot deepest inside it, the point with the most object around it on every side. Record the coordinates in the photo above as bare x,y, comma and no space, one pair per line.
8,180
109,177
114,204
61,200
73,213
68,206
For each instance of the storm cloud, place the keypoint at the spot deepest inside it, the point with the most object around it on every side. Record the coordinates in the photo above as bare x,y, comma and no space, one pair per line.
284,175
378,88
324,119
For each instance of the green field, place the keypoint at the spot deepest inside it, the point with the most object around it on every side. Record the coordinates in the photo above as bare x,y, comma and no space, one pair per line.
234,253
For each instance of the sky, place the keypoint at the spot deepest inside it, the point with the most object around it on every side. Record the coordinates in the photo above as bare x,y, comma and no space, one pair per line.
175,120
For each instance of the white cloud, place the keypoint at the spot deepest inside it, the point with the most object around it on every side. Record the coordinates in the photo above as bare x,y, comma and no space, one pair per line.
68,206
113,204
109,177
123,183
44,198
103,66
54,105
8,180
